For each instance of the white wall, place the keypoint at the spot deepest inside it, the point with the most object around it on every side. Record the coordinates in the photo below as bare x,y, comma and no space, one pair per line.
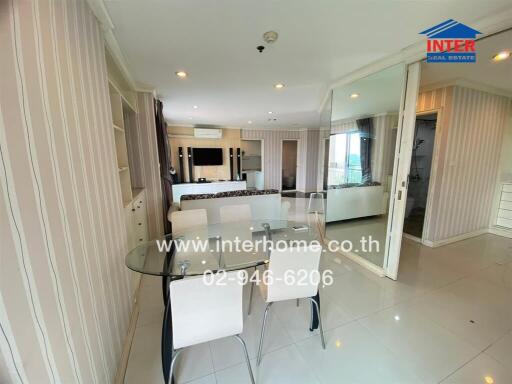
64,288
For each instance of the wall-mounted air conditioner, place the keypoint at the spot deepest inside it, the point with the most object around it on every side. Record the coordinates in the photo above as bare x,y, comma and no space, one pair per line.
208,133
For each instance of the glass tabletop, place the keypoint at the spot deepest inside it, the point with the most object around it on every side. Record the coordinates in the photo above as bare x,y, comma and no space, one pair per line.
226,246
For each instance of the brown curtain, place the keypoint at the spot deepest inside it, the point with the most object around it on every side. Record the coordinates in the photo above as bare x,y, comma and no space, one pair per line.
165,163
365,128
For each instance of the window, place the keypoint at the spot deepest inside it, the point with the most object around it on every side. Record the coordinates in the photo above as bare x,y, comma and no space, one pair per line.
345,159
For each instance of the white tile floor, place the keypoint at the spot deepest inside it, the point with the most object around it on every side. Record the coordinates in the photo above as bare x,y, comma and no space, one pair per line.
448,319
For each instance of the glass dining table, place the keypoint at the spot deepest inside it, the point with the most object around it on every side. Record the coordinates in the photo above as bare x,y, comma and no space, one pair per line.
210,249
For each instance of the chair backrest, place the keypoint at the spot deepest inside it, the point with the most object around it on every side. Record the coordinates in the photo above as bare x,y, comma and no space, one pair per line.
294,273
203,312
231,213
183,220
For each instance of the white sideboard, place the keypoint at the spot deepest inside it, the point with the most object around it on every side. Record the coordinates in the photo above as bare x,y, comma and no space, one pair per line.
504,216
198,188
355,202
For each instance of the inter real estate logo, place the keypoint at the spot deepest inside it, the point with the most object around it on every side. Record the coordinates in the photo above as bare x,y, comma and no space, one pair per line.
451,42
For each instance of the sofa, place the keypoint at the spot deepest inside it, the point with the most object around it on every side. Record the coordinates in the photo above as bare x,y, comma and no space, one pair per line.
265,204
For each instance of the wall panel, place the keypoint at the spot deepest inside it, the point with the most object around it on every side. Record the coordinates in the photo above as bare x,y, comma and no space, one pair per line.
64,297
272,155
470,132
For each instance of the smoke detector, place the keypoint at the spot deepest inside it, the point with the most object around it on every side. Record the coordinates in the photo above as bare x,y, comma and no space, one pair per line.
270,37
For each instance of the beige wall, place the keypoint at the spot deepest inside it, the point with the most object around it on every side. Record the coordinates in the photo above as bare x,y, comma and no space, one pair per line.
184,137
468,142
307,159
64,288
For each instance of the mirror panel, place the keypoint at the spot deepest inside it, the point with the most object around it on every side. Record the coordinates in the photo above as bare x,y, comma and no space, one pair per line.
363,134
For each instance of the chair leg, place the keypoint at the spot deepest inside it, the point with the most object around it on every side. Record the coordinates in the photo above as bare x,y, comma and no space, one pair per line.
319,320
263,326
244,347
173,361
298,302
250,296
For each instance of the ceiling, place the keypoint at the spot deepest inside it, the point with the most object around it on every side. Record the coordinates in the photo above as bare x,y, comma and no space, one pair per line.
232,83
378,93
485,71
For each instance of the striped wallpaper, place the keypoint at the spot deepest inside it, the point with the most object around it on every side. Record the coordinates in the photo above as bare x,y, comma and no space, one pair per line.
64,293
313,138
272,156
468,139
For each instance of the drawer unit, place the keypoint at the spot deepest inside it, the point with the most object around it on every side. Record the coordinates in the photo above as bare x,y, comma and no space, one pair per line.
506,196
507,188
506,205
136,221
507,223
504,216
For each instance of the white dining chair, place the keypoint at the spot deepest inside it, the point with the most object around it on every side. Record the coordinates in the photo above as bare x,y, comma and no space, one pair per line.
232,213
203,312
294,262
190,218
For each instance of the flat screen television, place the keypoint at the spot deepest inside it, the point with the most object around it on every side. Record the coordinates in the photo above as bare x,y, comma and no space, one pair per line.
207,156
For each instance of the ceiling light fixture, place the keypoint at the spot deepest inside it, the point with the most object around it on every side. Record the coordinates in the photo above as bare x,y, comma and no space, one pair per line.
195,107
181,74
489,380
354,95
270,37
270,112
249,122
503,55
279,86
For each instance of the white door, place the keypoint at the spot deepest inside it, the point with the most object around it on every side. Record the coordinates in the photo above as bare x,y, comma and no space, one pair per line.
405,137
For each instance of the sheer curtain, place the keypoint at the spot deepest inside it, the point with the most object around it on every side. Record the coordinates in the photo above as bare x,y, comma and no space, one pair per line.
365,128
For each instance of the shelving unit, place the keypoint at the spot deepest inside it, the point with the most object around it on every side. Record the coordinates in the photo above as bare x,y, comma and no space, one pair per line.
121,111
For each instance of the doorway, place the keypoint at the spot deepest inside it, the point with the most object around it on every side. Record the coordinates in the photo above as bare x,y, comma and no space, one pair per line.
419,174
289,165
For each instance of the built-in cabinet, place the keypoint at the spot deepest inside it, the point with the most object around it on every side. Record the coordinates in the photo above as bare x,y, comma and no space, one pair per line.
124,117
136,220
504,216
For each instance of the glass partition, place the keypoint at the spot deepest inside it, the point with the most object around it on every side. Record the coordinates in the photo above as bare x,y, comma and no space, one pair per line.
363,135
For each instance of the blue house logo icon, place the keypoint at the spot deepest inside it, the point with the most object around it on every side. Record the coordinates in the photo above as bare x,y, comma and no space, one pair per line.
451,42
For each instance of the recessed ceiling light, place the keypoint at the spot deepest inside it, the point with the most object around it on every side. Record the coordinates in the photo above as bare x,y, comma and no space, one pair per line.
354,95
503,55
397,318
195,107
270,112
489,380
249,122
279,86
181,74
